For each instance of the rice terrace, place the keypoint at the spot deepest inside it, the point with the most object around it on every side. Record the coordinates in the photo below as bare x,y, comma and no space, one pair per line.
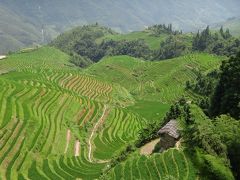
89,101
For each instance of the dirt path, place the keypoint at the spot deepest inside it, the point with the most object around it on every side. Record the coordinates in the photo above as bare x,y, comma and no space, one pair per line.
190,67
100,121
149,147
77,148
178,144
67,140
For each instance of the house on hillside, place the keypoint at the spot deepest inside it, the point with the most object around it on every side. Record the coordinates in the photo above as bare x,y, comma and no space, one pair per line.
169,135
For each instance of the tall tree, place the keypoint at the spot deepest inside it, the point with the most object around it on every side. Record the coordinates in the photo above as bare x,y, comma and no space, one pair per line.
226,98
222,32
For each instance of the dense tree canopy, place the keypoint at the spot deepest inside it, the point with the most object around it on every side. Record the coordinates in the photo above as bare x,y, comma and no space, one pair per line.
159,29
226,98
134,48
220,43
170,48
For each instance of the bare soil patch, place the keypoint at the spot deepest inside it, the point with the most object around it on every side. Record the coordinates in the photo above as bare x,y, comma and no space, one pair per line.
148,148
68,138
77,148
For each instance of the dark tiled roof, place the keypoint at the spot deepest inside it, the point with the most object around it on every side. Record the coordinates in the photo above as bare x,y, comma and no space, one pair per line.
171,129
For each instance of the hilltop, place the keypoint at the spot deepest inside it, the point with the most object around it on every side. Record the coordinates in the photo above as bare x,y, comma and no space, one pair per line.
89,44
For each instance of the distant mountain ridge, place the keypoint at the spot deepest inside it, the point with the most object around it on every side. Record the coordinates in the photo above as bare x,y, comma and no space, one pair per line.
233,24
35,22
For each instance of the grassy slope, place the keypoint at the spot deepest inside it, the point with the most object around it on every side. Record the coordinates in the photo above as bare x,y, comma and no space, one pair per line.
151,40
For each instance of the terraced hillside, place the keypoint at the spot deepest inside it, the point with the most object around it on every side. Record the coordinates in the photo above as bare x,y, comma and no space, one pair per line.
60,122
162,81
56,122
172,164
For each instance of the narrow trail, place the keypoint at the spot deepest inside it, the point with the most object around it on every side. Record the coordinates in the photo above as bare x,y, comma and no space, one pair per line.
68,140
178,144
77,148
105,112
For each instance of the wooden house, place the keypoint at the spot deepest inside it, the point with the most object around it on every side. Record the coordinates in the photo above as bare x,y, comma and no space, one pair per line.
169,135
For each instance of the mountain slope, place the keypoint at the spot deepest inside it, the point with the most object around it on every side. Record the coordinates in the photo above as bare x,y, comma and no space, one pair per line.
136,13
56,16
15,32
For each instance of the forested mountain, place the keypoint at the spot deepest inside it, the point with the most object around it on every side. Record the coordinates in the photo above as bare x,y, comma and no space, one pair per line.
40,21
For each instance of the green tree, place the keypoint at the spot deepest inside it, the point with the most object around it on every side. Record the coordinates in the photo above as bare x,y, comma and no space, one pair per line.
170,48
226,97
229,131
227,34
222,32
220,43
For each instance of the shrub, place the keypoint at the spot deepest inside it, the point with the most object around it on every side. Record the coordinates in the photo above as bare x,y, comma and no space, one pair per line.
216,168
